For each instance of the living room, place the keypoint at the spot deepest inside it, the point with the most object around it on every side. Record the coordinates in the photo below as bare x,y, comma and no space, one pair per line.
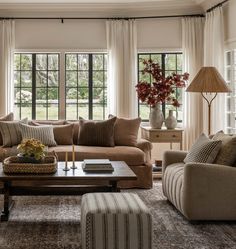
117,124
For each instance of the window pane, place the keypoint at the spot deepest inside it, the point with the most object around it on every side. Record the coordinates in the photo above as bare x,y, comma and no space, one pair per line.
41,78
53,79
144,111
156,58
170,62
53,95
97,62
41,112
83,111
98,112
71,62
41,62
179,62
17,79
26,110
52,111
83,79
141,58
17,62
98,95
17,111
26,62
26,79
53,62
83,62
71,95
71,112
83,95
71,78
41,95
98,79
26,95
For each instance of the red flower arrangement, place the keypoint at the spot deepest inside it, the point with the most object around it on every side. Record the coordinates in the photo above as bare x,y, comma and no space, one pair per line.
161,90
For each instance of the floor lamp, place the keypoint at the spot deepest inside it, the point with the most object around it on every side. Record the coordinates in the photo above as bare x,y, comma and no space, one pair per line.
208,80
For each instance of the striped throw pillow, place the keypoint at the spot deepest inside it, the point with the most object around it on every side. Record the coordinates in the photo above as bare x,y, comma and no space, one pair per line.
43,133
9,117
204,150
10,131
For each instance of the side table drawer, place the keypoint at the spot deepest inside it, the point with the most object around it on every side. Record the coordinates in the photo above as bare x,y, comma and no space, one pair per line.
158,136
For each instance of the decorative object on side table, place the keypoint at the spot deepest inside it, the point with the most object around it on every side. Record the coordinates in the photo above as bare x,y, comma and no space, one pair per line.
208,80
31,151
161,90
171,122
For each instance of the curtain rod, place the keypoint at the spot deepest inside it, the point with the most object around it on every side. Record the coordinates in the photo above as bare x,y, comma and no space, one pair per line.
217,5
97,18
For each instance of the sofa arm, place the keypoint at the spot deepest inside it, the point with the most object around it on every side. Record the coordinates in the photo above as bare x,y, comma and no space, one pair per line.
172,156
144,145
209,192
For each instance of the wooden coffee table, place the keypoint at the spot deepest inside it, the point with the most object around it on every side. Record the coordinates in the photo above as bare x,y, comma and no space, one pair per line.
73,182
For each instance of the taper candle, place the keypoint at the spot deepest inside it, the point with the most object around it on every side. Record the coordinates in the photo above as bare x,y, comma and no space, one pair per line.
66,162
66,159
73,154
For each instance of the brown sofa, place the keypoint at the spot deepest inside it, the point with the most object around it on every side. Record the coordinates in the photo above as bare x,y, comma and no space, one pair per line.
200,191
137,158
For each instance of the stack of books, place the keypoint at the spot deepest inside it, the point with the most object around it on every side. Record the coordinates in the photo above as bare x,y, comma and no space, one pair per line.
97,165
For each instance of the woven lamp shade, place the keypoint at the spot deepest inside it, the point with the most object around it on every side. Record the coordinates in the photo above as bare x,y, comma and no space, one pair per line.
208,80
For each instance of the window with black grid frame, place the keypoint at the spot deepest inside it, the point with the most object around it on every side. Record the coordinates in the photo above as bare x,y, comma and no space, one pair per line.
86,86
36,85
169,63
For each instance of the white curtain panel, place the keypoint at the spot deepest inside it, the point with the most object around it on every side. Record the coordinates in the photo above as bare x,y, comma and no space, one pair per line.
7,46
214,56
122,67
192,43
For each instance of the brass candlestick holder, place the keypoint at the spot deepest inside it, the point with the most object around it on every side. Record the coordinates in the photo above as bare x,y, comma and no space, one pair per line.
73,158
66,162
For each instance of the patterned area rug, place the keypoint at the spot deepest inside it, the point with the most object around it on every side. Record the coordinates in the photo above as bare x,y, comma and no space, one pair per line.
54,222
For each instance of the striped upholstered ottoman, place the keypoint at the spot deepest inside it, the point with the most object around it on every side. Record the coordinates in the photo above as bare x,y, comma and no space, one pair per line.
115,220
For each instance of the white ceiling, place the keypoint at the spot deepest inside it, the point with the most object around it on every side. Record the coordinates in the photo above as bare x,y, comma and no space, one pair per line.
103,7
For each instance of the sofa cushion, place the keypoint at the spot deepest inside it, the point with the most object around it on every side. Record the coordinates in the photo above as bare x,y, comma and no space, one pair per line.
227,154
172,184
204,150
75,130
11,133
63,134
96,133
126,131
131,155
8,117
47,122
43,133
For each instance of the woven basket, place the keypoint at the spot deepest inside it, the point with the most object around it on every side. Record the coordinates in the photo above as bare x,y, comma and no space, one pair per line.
11,165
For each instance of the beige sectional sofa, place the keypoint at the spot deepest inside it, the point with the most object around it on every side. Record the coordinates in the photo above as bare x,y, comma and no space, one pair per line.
137,157
200,191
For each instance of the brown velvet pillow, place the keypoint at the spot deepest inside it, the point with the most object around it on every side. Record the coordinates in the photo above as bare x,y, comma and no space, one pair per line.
126,131
8,117
96,133
75,130
63,134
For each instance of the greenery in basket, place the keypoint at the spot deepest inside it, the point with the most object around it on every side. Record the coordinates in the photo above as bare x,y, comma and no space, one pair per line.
32,148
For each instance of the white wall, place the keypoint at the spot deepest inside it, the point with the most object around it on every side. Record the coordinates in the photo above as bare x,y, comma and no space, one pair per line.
154,34
230,21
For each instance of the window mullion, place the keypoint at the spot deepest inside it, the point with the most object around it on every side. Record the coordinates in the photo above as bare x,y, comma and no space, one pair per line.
33,86
62,86
163,66
90,86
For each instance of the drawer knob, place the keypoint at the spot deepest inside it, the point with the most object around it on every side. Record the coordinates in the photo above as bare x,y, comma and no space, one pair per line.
157,135
173,135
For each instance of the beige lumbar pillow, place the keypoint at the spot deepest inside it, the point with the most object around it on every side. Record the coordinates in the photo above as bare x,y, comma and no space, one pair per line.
126,131
227,154
43,133
204,150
